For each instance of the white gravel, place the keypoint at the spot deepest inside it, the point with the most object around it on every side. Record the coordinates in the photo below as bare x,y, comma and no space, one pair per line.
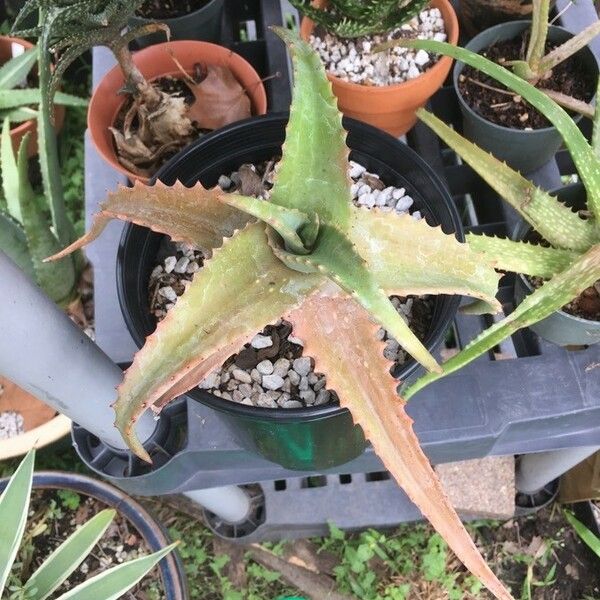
353,59
11,424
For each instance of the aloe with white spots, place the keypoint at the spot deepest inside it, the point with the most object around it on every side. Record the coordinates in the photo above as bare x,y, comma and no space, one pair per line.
309,255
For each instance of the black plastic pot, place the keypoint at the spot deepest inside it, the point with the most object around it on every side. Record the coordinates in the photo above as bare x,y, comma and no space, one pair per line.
305,438
523,150
171,568
560,328
202,24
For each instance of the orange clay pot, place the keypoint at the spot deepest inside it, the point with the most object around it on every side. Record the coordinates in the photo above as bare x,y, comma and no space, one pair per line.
392,107
155,62
20,129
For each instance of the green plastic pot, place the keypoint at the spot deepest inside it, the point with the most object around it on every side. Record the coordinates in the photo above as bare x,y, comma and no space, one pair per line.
203,24
560,328
523,150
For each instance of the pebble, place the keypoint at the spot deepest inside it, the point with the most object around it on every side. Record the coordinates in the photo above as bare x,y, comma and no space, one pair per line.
272,382
261,341
265,367
241,376
181,265
354,60
291,404
323,397
170,263
11,424
302,365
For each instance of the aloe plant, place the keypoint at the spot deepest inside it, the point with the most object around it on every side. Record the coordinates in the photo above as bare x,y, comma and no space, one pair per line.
326,265
64,560
17,104
571,262
353,18
25,232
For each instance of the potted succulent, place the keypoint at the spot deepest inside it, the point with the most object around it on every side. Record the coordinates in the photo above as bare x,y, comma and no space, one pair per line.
111,543
382,91
176,91
547,56
563,262
187,20
329,266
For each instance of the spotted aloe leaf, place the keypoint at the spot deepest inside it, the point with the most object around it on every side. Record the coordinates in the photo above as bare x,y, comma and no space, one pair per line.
586,161
339,334
553,220
554,294
522,257
407,256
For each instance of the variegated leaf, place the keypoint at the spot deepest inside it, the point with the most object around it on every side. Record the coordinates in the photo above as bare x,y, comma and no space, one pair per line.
521,257
237,292
410,257
554,294
337,332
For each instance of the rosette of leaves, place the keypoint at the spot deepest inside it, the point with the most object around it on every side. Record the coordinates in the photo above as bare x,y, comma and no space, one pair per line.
66,558
570,262
25,231
353,18
325,265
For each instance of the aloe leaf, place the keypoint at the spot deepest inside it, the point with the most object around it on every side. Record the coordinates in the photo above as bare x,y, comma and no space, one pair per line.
14,505
539,33
588,165
33,96
57,280
238,291
596,123
19,115
68,556
554,221
335,256
568,48
14,71
312,175
14,244
588,538
407,256
113,583
572,104
552,296
337,332
10,174
521,257
192,215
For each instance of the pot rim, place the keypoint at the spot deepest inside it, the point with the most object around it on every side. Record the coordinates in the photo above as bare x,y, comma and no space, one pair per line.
523,228
459,66
176,20
306,413
98,92
151,530
307,26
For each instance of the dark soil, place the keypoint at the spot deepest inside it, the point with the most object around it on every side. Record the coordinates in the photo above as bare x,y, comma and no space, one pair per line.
508,109
54,515
169,9
541,540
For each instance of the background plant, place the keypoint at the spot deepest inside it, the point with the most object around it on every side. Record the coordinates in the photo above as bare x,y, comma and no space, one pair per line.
571,263
326,265
62,562
353,18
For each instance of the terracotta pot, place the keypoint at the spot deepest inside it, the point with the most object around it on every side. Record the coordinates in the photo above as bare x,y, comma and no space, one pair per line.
20,129
155,62
393,107
42,424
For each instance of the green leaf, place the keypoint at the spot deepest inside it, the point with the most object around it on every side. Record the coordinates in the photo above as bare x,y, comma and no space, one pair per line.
552,296
596,124
19,115
436,263
10,174
14,244
33,96
338,333
583,532
57,280
14,71
335,256
14,505
553,220
539,33
112,584
68,556
312,175
242,288
588,165
521,257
